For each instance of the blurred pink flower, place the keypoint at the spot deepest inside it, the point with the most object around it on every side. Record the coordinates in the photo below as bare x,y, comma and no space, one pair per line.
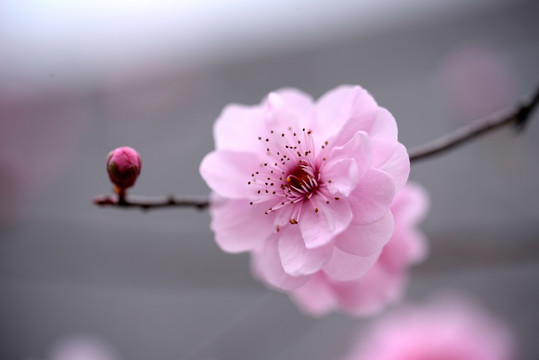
385,281
82,347
449,328
41,130
306,186
477,81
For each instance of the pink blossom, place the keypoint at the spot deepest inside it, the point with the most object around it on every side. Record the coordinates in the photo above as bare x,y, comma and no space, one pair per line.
477,81
123,166
445,329
386,280
82,347
306,186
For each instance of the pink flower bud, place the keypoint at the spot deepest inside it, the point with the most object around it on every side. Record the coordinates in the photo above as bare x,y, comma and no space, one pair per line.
123,166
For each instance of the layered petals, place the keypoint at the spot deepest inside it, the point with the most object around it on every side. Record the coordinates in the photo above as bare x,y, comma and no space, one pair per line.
239,121
227,173
383,135
306,187
347,164
382,283
288,108
369,294
372,198
344,175
315,297
234,232
266,264
398,166
344,111
297,259
343,266
365,240
320,223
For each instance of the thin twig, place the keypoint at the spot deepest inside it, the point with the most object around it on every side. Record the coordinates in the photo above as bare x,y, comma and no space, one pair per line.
517,117
146,203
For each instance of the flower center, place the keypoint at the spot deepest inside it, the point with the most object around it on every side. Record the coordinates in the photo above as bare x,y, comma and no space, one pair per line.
291,175
301,182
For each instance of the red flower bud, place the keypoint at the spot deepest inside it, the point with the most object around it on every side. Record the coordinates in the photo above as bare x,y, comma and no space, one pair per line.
123,166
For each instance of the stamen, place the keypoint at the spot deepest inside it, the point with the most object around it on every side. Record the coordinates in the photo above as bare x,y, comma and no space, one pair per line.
291,174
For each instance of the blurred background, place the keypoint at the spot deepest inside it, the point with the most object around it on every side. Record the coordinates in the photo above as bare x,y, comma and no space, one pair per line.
78,79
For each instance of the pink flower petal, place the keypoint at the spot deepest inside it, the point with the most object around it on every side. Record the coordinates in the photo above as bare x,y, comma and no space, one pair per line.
383,136
346,106
365,240
406,247
368,294
372,197
320,227
382,283
238,128
408,244
339,167
289,108
266,264
228,172
344,176
315,297
235,232
345,267
398,166
321,178
283,216
411,204
419,246
449,329
296,258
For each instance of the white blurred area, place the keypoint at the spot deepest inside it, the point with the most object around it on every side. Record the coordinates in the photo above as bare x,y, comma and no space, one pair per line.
78,40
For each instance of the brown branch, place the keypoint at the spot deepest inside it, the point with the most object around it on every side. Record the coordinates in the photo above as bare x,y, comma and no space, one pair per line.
517,117
146,203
